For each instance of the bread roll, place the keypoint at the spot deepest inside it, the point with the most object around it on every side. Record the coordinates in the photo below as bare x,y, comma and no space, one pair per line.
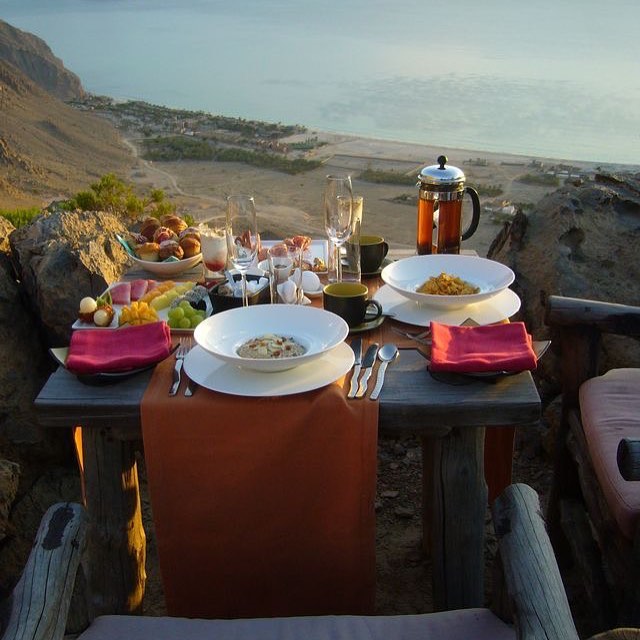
175,223
170,248
190,246
148,227
148,251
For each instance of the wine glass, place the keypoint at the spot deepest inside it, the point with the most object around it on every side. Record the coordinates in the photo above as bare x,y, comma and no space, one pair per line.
338,209
242,236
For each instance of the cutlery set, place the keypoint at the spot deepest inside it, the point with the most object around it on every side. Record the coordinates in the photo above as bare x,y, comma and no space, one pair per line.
185,345
363,367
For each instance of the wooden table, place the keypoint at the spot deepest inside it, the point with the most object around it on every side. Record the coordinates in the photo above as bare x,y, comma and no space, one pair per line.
451,421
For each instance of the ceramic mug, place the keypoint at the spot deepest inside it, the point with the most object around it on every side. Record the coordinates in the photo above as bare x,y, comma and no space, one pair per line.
350,301
373,250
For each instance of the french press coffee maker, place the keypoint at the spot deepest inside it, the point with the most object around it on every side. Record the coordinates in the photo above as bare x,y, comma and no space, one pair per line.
442,190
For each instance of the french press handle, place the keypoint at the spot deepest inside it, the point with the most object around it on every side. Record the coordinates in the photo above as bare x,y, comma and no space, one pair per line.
475,218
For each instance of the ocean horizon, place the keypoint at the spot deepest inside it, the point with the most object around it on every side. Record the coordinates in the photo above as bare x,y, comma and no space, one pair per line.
541,79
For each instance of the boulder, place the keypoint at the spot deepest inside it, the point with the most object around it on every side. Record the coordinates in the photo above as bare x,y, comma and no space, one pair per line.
22,348
9,473
580,241
63,256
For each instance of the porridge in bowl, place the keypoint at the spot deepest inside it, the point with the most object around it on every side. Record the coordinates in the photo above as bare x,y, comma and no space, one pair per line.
271,345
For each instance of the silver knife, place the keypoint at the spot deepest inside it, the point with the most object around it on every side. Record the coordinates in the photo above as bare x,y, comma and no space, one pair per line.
367,363
356,345
177,368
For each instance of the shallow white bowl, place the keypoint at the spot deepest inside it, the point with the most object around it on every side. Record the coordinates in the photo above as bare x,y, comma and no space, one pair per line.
317,330
405,276
168,268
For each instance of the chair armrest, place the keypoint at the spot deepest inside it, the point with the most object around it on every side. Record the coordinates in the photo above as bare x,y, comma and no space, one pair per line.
537,595
39,604
580,324
605,317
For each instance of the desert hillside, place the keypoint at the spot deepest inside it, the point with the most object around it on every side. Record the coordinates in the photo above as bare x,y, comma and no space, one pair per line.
48,149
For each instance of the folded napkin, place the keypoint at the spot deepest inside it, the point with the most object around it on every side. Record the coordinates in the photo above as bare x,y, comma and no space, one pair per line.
495,347
112,350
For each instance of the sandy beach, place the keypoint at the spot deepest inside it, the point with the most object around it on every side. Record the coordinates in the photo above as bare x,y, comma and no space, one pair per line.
290,204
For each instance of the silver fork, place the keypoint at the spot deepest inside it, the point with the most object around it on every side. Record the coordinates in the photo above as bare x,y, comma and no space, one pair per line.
191,387
181,352
421,337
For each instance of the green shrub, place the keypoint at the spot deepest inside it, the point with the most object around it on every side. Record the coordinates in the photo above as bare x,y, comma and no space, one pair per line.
540,179
20,217
490,190
113,195
387,177
167,148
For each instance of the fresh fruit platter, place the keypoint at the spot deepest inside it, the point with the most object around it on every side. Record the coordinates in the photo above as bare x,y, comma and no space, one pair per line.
183,305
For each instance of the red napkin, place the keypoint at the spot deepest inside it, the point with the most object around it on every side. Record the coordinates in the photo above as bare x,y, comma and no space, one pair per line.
111,350
494,347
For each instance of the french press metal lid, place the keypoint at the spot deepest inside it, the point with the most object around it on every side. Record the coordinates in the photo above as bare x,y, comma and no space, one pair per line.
441,177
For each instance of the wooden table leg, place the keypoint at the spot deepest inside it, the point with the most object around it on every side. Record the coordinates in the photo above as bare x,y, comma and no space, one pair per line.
456,511
116,542
498,459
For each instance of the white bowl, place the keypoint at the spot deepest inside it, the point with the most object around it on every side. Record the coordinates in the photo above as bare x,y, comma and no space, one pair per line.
171,268
405,276
319,331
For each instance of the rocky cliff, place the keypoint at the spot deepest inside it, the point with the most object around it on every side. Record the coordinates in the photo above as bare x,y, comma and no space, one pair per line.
33,57
48,149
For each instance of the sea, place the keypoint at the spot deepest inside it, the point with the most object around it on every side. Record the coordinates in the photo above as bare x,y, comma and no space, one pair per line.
546,78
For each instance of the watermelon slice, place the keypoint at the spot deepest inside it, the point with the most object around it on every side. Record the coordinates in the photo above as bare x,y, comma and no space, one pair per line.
139,288
121,293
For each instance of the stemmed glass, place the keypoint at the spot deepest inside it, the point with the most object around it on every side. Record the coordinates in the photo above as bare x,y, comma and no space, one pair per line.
338,208
242,236
214,247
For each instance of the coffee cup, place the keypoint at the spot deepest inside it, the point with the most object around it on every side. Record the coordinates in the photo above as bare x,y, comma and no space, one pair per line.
373,250
350,301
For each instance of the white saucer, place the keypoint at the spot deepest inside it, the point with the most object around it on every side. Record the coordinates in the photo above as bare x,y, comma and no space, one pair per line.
212,373
500,307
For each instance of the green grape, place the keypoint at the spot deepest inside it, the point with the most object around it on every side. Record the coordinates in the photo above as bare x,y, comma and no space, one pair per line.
196,320
189,312
185,304
184,323
174,324
177,313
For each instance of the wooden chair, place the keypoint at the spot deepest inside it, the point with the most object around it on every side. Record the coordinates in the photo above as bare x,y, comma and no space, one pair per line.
594,505
40,602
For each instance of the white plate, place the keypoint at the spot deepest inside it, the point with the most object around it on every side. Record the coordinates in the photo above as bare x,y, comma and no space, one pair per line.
317,249
406,275
315,329
168,268
212,373
500,307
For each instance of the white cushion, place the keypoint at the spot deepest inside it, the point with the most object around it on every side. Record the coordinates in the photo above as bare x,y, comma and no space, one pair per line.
466,624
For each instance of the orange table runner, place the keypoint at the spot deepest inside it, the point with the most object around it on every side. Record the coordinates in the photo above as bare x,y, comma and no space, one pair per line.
262,506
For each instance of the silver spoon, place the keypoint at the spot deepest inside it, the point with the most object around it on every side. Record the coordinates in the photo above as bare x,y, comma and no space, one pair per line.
387,353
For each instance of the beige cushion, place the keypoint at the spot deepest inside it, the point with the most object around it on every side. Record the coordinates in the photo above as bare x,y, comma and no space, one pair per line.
467,624
610,411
